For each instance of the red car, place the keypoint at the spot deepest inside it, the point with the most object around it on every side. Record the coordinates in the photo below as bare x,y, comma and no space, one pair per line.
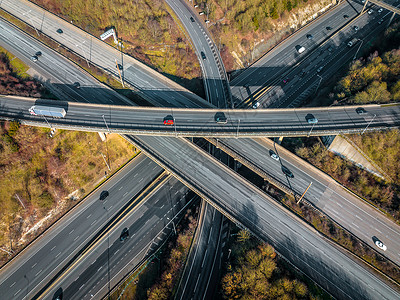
169,120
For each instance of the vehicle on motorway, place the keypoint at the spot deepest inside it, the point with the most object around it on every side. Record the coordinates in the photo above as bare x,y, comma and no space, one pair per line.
34,58
59,30
380,10
328,28
104,195
39,53
169,120
220,118
191,19
285,80
256,104
47,111
124,234
356,28
203,56
77,85
370,11
320,69
119,66
311,119
309,36
300,49
352,42
273,155
380,245
346,16
380,21
361,111
287,172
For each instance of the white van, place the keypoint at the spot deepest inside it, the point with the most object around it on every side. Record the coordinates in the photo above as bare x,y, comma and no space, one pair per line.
300,49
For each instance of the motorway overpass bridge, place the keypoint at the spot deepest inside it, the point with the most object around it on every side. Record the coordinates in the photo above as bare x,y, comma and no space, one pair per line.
202,122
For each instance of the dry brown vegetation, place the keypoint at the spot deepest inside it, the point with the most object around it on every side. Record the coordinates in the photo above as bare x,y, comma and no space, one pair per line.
147,29
37,173
12,84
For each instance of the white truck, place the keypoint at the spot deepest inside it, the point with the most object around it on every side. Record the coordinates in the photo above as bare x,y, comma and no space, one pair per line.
47,111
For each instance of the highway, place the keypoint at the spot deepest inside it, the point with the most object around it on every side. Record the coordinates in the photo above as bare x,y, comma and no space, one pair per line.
161,146
282,57
214,75
247,205
32,268
150,84
345,208
111,259
200,277
305,78
201,122
58,74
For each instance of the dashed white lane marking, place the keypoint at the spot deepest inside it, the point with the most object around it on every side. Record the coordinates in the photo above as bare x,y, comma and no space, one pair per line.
39,272
58,254
13,284
17,292
33,265
72,231
52,248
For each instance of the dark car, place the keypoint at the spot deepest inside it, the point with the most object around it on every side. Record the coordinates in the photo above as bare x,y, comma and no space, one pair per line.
169,120
287,172
361,111
124,234
58,295
191,19
346,16
59,30
38,53
203,56
310,36
119,67
220,118
328,28
380,21
77,85
104,195
311,119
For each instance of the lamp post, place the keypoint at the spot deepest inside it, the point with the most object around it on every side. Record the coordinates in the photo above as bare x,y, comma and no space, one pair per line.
359,47
368,124
84,53
311,129
320,80
30,19
106,124
173,225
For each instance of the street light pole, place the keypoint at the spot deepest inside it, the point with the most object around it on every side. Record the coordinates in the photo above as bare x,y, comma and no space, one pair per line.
320,80
173,225
106,124
368,124
47,121
237,132
359,47
30,19
84,53
311,130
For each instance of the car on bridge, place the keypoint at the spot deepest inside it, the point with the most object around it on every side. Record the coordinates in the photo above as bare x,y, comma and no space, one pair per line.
361,111
273,155
220,118
169,120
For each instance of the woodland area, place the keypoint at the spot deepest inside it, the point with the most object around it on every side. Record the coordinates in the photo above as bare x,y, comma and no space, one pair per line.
147,30
256,272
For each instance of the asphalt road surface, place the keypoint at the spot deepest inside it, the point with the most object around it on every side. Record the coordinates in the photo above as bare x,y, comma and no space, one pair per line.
154,86
27,273
243,202
214,74
111,259
201,122
360,218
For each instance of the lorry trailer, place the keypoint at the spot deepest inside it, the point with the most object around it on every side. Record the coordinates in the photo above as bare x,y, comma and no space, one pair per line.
47,111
